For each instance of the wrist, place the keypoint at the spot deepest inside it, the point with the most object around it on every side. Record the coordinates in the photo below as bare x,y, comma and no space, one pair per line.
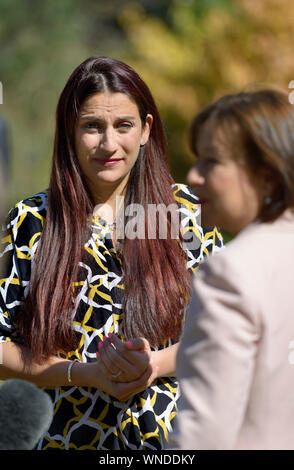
165,360
87,374
69,370
80,376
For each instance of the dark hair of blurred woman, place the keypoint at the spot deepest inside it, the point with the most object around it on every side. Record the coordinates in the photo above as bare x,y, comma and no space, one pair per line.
258,128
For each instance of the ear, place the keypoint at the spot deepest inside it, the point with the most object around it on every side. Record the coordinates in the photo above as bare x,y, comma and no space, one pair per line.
269,182
146,129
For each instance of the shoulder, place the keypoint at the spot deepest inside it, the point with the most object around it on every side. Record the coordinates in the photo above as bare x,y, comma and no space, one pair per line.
184,196
240,264
188,207
28,215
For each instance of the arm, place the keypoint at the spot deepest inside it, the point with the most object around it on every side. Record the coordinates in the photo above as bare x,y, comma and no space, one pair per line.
216,359
165,359
18,363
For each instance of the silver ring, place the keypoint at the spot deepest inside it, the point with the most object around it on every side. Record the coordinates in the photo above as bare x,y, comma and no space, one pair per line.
117,374
111,344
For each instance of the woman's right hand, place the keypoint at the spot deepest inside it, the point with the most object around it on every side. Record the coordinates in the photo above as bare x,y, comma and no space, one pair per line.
124,361
120,390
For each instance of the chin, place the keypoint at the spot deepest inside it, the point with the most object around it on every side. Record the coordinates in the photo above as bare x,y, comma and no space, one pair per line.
110,178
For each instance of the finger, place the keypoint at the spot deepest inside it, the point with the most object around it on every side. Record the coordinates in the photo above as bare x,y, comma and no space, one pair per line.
105,371
114,361
126,391
138,358
137,344
109,357
142,381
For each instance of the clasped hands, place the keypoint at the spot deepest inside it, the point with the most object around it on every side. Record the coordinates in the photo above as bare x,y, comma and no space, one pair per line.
128,367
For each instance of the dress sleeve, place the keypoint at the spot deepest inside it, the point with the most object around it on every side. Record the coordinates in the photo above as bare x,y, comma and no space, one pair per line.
199,242
19,238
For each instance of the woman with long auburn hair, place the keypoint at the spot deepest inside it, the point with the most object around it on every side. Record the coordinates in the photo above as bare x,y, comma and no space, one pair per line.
93,300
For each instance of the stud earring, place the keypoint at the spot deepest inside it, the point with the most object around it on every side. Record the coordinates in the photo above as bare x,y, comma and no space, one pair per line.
267,200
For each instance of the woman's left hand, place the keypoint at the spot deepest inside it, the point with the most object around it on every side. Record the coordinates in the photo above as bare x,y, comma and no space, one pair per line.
124,362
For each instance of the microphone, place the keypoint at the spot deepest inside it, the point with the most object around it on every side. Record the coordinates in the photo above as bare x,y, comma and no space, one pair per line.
26,413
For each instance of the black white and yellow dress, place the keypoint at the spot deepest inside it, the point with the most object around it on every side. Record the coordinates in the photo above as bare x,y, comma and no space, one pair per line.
84,417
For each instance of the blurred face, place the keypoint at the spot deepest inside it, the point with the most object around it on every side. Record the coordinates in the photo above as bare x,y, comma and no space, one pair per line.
108,136
231,197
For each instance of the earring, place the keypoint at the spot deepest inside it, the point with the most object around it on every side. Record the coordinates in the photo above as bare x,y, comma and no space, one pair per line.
267,200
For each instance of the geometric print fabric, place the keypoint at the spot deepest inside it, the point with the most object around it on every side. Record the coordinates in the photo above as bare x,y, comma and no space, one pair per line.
84,417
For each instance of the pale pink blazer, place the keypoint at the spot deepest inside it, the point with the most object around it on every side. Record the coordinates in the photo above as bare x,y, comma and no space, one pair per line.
236,359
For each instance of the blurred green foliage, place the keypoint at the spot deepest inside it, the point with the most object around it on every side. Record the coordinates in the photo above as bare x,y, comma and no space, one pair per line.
188,51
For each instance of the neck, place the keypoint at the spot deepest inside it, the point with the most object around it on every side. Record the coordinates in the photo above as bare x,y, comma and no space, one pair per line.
109,199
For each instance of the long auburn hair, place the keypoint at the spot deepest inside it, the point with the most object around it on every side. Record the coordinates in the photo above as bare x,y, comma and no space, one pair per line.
157,283
259,128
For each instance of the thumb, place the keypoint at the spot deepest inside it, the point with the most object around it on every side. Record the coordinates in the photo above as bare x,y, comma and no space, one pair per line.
138,343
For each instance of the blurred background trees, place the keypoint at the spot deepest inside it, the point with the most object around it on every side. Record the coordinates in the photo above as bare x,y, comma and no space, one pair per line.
188,51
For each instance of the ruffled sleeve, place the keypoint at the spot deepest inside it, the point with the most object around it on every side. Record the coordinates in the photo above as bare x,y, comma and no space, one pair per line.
19,239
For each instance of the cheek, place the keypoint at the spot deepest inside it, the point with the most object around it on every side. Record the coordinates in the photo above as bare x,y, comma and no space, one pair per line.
130,144
220,182
84,143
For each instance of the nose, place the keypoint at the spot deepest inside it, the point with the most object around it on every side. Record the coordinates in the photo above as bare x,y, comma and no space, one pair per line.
194,178
108,142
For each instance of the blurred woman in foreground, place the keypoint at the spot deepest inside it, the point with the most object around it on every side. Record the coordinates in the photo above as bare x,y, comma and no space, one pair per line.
233,363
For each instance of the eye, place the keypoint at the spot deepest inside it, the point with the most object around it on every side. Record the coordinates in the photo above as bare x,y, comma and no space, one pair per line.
93,126
207,161
125,125
210,161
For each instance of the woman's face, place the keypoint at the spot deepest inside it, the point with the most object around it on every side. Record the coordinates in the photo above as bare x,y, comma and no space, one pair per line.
108,136
231,197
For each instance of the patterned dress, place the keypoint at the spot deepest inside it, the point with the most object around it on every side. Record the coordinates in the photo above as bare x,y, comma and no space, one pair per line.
84,417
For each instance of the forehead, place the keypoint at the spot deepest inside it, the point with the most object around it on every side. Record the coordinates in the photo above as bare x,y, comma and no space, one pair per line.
109,103
215,138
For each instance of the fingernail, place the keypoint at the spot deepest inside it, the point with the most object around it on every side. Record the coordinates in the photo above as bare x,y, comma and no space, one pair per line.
97,354
100,345
129,344
109,335
104,338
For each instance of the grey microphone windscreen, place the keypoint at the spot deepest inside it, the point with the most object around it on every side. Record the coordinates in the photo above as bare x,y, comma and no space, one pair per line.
25,414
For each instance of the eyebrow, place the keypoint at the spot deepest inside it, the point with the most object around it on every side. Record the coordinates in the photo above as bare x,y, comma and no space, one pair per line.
98,118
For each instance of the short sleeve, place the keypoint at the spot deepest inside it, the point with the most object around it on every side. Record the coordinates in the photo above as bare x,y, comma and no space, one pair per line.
19,239
199,243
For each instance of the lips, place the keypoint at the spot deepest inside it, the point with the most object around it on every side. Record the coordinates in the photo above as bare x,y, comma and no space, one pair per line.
107,161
